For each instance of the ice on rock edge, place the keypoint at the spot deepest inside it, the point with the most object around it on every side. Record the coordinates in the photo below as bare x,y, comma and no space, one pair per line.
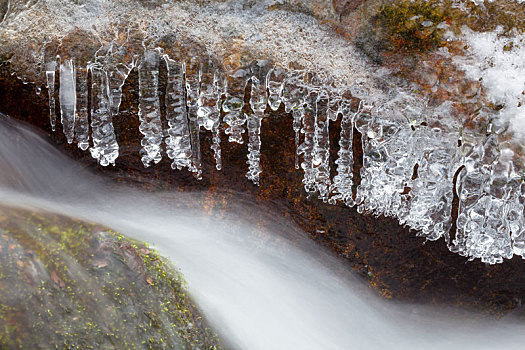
258,103
293,96
68,98
117,70
308,148
341,187
209,105
105,148
82,118
487,204
193,80
233,104
178,145
274,83
408,167
410,161
50,66
149,108
322,147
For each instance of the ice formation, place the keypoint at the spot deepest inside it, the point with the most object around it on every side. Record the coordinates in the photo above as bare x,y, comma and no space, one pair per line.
178,145
496,60
105,147
149,108
68,98
227,67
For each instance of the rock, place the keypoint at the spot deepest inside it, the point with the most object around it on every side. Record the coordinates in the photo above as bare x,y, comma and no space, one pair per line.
344,7
64,283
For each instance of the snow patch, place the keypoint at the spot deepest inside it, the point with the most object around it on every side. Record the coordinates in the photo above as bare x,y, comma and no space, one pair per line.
497,61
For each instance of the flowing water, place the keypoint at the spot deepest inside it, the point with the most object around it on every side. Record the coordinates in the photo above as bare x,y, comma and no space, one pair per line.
256,288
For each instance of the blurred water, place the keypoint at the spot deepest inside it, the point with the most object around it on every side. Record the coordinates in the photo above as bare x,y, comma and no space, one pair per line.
257,289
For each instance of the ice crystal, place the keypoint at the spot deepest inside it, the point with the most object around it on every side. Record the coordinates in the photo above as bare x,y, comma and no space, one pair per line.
68,98
105,148
410,157
193,79
234,102
149,108
82,121
240,63
209,104
258,102
178,145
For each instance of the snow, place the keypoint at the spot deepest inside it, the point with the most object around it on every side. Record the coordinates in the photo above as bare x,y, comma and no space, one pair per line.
497,61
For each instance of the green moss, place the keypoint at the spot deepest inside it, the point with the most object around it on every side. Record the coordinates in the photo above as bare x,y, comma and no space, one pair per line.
413,25
498,13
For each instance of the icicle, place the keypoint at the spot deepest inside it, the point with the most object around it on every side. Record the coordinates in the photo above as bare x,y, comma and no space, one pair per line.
515,218
193,76
258,102
307,147
298,117
430,209
274,83
482,229
50,84
220,86
293,97
254,148
82,122
294,91
234,103
178,146
334,105
342,185
68,98
321,159
117,75
149,108
391,150
208,113
105,147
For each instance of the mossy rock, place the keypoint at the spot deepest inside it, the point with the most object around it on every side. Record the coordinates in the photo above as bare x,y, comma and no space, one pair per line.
413,25
65,283
405,27
418,26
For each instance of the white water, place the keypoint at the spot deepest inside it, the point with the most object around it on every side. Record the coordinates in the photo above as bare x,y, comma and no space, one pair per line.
258,290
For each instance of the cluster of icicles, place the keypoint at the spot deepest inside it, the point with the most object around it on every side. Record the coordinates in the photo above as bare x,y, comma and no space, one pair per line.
409,167
197,91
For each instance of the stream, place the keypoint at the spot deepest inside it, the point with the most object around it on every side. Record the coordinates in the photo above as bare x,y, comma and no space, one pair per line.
260,288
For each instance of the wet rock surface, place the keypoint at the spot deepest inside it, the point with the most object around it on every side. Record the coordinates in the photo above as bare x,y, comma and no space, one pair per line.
65,283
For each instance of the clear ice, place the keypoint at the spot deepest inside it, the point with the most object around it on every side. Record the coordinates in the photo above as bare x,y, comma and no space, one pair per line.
149,108
419,163
234,102
409,167
193,80
82,118
105,148
50,66
178,146
68,98
258,103
209,105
